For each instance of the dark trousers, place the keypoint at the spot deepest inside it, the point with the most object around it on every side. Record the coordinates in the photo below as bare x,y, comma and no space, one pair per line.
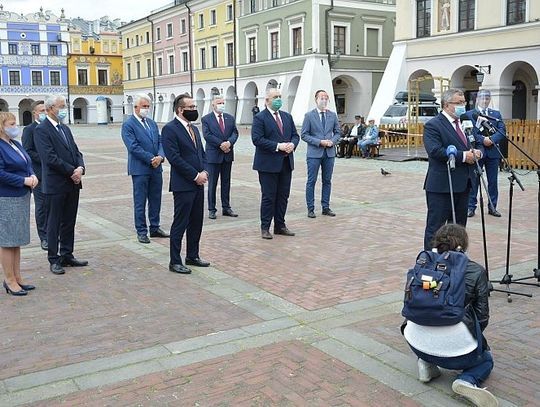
223,171
345,147
439,212
61,225
327,168
491,168
275,189
41,212
476,368
188,218
147,188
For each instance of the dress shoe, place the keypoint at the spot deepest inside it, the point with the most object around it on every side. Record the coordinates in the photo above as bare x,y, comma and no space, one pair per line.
179,268
44,245
143,239
73,262
27,287
311,214
212,215
16,293
159,233
283,231
494,212
348,156
328,212
197,261
265,234
57,269
470,213
229,212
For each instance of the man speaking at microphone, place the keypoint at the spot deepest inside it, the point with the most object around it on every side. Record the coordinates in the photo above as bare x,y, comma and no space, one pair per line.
492,157
441,132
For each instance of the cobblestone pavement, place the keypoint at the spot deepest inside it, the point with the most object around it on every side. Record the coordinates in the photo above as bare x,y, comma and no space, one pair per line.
305,320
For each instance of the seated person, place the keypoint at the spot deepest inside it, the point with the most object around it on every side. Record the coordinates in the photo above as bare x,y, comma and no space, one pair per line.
455,347
350,138
371,136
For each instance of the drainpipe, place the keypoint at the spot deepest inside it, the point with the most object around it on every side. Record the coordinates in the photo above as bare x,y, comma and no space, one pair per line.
234,56
153,63
68,57
327,32
190,50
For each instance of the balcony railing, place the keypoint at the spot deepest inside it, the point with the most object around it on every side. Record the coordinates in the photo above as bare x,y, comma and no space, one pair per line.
33,60
32,90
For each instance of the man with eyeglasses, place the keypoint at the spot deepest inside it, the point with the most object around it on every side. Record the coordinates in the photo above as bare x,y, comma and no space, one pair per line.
184,151
440,132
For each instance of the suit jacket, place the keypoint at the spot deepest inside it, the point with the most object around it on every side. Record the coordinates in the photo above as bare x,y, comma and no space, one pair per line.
13,170
30,147
265,135
58,159
438,135
214,137
142,146
312,133
497,138
186,159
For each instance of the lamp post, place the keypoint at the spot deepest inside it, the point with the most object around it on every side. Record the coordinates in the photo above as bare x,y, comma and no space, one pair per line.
481,71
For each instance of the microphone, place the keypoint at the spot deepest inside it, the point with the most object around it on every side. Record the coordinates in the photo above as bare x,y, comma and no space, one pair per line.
451,152
489,117
484,124
467,126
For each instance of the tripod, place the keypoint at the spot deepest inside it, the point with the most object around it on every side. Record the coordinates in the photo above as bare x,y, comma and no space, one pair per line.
507,277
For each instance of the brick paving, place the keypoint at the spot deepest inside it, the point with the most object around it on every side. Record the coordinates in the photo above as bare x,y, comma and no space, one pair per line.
259,327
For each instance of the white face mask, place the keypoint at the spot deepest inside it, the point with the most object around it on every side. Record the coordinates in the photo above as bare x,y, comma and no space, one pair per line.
12,132
144,112
220,107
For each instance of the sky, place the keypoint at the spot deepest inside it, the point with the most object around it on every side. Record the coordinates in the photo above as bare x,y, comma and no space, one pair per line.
88,9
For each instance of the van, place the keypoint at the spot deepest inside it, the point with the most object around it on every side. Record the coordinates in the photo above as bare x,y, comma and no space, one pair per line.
398,112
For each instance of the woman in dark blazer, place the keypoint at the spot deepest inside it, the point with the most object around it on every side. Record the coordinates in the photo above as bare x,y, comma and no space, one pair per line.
17,179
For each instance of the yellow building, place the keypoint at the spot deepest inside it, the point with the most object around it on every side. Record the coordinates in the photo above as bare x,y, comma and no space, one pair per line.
213,52
137,42
95,72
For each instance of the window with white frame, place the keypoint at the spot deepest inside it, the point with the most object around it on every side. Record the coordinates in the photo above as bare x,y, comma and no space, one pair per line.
54,78
138,69
148,67
103,77
423,18
14,78
340,37
201,21
183,26
202,58
37,78
230,15
372,40
516,11
128,71
35,49
160,66
82,77
252,6
213,50
230,54
185,61
213,18
274,44
252,48
297,40
171,64
158,33
169,30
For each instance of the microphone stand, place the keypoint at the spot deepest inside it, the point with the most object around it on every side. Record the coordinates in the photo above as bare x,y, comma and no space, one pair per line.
507,278
451,191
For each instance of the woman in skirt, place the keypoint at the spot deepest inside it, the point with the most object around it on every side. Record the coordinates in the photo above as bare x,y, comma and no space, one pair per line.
17,180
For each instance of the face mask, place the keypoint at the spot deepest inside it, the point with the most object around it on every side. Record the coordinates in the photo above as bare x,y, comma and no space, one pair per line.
42,117
12,132
62,114
459,110
277,103
143,112
220,107
322,103
191,115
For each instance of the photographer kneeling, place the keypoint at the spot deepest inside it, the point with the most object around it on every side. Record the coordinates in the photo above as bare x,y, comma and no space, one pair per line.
456,347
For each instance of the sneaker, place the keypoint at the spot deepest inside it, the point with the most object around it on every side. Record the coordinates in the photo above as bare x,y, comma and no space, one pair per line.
427,371
478,396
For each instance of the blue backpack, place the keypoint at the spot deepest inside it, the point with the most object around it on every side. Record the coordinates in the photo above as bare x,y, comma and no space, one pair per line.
435,289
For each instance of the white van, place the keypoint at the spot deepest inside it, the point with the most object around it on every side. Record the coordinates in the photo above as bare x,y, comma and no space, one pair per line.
398,112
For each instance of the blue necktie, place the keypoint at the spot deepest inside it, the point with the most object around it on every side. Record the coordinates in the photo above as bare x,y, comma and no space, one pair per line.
323,120
62,133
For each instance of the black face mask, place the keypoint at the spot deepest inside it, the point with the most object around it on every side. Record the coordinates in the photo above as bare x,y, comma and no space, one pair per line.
191,115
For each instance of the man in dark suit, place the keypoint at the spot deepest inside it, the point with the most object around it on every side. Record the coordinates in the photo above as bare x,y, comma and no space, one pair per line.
320,130
439,133
491,159
220,133
184,151
350,139
40,203
145,156
275,138
62,168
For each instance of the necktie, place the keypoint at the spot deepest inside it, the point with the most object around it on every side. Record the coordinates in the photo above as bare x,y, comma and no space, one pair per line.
192,134
460,133
323,120
221,124
278,121
62,133
145,124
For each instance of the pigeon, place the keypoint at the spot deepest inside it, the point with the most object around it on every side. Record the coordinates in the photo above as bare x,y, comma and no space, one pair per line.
384,172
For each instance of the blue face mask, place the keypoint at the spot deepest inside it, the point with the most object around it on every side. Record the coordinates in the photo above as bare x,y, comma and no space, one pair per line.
459,110
276,104
62,114
12,132
42,117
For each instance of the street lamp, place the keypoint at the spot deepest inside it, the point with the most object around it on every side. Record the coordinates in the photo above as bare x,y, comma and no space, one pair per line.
482,70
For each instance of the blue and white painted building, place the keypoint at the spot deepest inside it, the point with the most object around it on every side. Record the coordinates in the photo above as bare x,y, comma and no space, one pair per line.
33,60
